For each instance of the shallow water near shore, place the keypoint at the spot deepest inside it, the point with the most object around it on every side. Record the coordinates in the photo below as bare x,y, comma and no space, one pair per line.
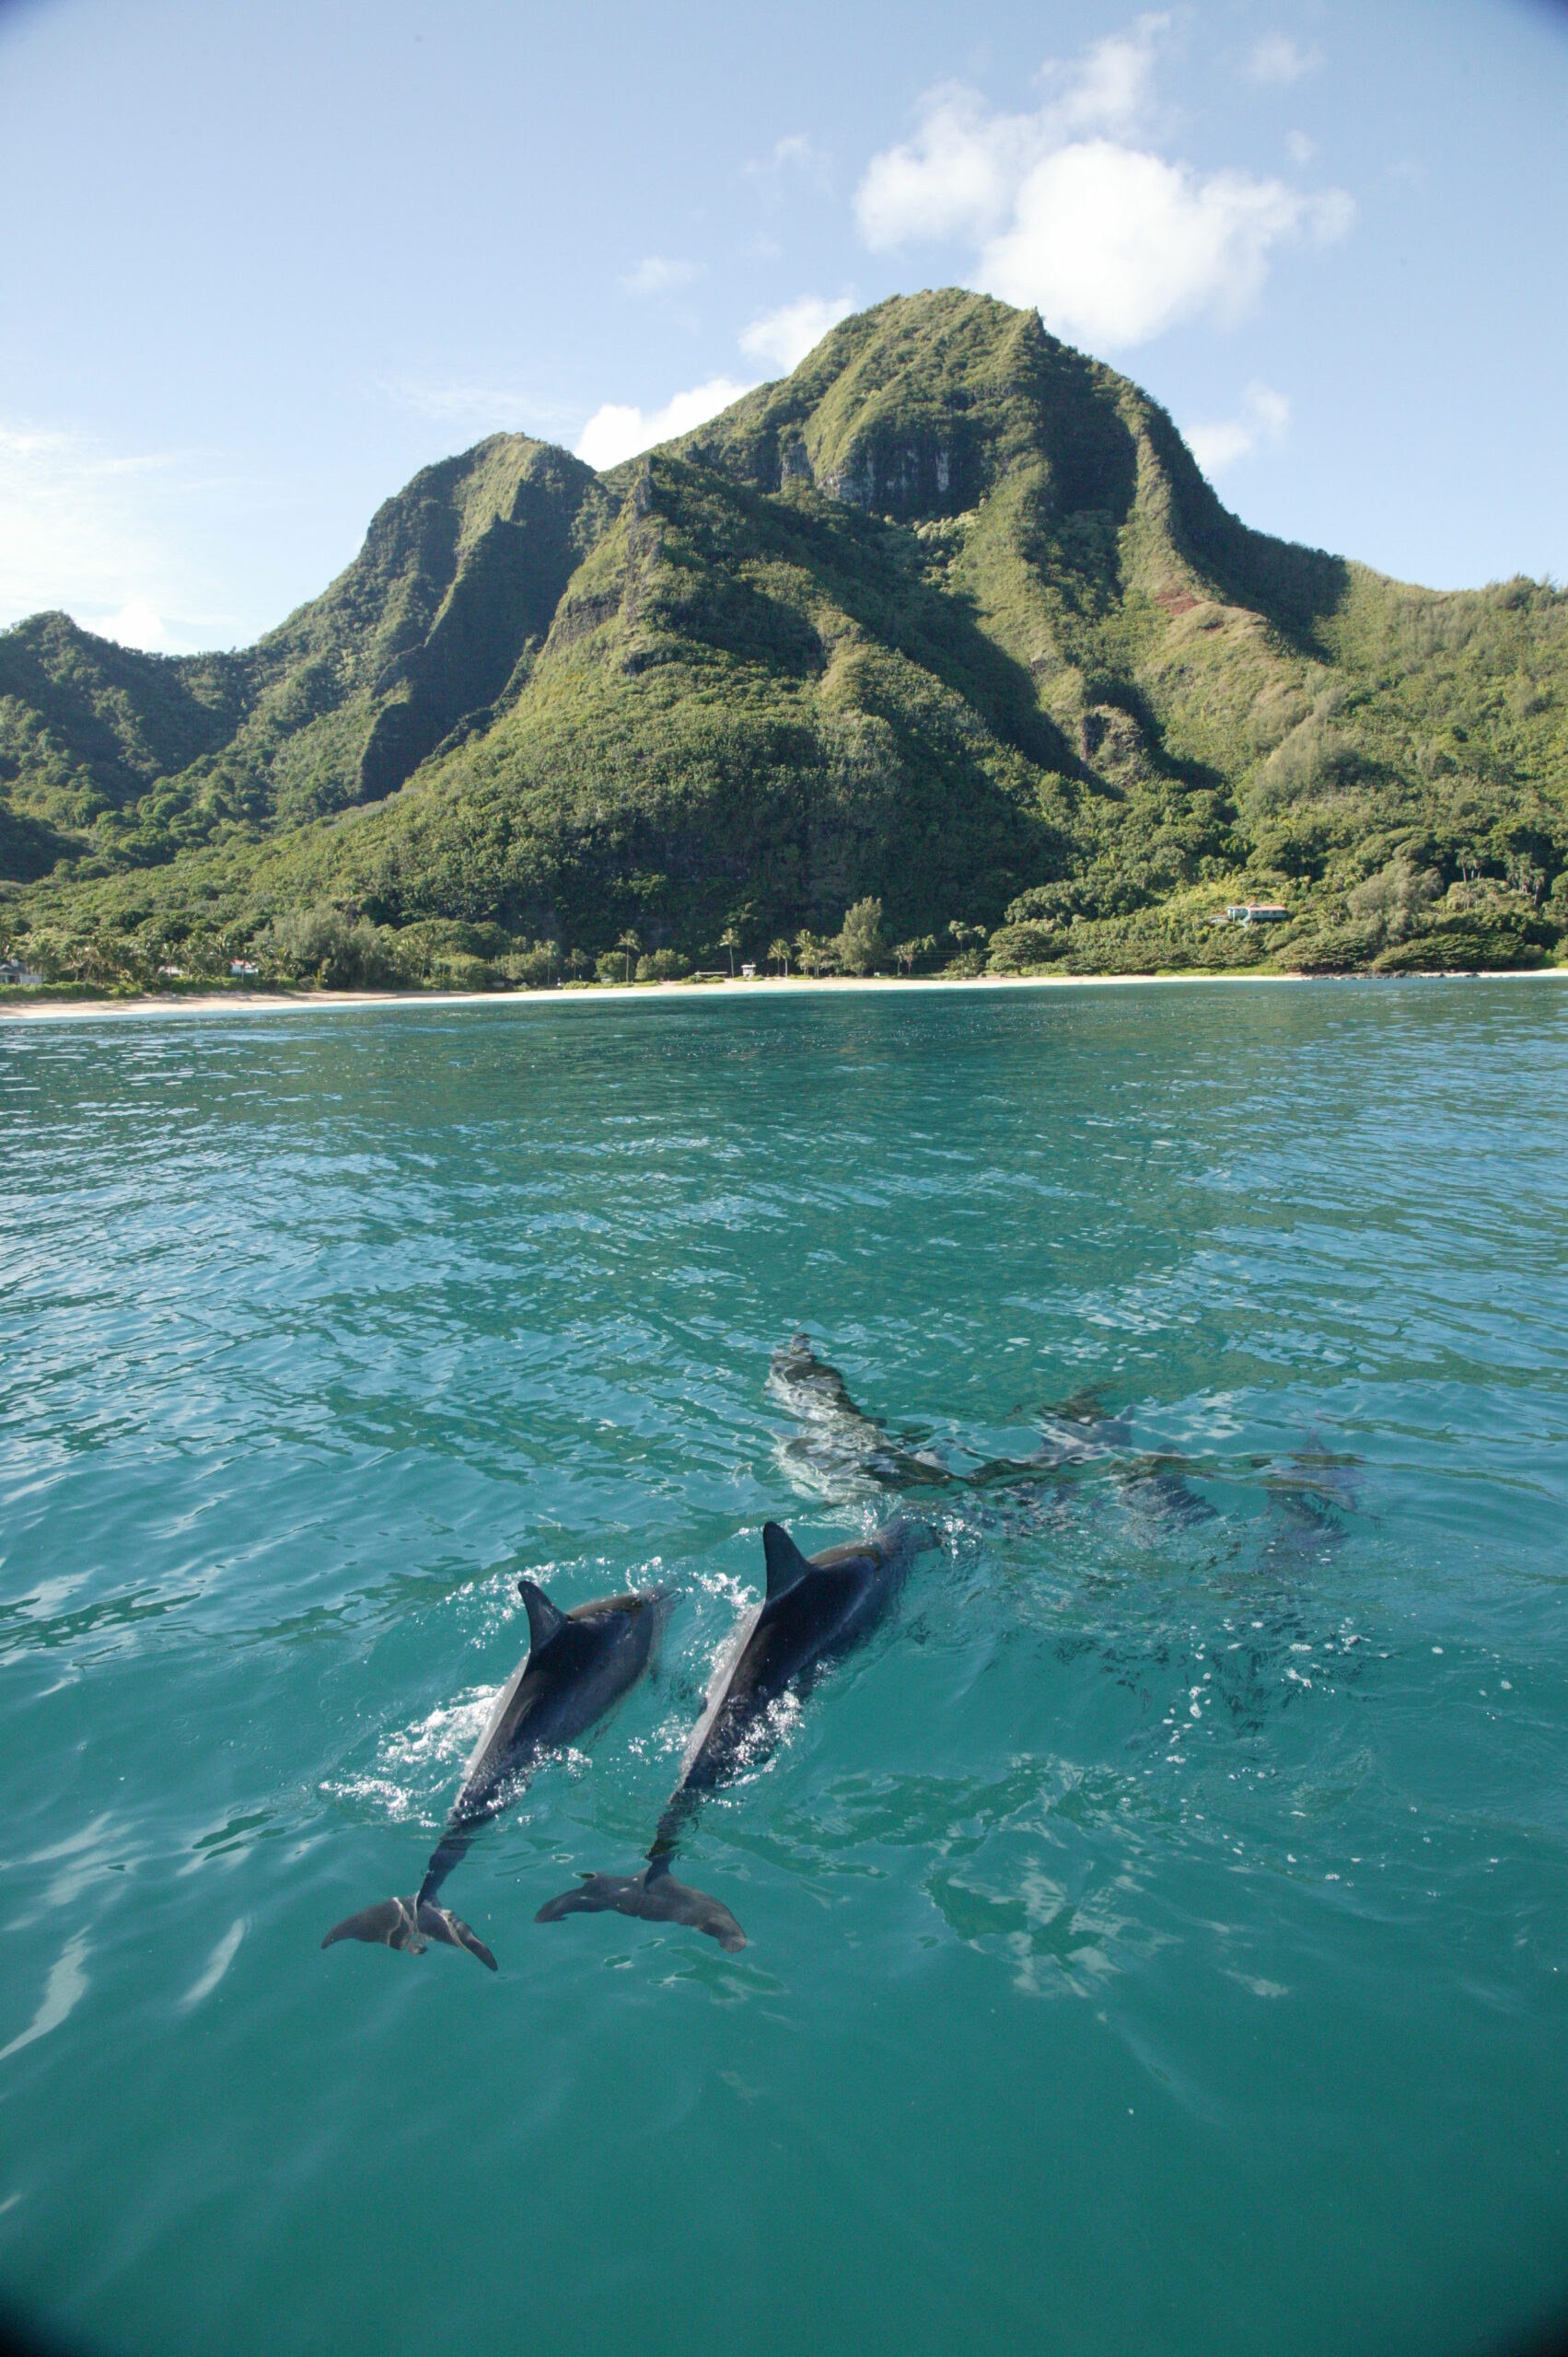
1158,1933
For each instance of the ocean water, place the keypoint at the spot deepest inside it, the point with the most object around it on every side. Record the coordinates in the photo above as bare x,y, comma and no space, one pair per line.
1158,1931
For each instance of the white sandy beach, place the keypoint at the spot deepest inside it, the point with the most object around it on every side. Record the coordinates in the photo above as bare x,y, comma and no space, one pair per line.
606,993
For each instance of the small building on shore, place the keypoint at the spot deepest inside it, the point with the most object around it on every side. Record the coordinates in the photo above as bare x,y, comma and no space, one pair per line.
17,976
1254,912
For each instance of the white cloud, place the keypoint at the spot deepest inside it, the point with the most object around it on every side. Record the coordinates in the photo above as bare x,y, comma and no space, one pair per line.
1116,246
657,275
137,625
619,431
1299,147
786,335
1112,241
796,150
796,155
960,173
1277,60
956,179
1111,88
1262,423
83,529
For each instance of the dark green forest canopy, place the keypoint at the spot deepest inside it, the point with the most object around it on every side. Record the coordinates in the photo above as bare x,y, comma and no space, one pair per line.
947,620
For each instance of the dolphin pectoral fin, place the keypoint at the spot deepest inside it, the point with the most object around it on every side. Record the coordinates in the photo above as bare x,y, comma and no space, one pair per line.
654,1897
440,1923
391,1924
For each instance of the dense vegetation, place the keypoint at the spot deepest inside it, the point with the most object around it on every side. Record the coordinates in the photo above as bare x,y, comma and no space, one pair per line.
940,652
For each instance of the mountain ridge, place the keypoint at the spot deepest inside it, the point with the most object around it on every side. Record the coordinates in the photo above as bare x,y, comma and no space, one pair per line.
948,619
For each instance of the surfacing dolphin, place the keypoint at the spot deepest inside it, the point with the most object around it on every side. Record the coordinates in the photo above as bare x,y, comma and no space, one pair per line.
816,1608
578,1666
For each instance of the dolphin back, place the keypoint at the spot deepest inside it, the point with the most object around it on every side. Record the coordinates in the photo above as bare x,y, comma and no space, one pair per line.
814,1605
577,1667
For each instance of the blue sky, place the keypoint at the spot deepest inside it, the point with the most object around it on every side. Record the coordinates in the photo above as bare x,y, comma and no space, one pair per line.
262,263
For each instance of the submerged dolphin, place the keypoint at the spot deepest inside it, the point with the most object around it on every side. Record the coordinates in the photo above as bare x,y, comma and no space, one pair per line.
577,1667
841,1443
815,1610
840,1438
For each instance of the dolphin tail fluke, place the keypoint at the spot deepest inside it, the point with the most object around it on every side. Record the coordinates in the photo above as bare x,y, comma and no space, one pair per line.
440,1923
409,1924
655,1896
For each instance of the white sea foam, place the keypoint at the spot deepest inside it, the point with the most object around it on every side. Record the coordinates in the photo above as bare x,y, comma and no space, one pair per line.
375,1795
445,1735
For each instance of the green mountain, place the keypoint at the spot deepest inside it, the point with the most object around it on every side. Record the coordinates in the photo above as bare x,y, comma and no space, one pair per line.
949,620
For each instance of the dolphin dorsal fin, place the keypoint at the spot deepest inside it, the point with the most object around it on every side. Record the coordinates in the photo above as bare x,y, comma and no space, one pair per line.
786,1564
545,1620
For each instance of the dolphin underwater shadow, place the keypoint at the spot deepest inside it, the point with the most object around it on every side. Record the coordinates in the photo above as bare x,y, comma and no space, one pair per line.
578,1666
817,1607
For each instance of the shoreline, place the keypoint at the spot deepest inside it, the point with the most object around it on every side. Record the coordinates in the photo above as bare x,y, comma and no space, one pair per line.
601,993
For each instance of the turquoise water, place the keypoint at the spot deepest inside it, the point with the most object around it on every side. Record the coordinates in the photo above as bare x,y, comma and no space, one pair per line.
1158,1936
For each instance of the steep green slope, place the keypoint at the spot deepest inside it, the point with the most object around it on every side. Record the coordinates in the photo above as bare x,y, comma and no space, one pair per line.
948,618
89,728
132,757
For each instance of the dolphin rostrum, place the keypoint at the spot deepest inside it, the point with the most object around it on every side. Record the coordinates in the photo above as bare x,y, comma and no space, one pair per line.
815,1610
578,1665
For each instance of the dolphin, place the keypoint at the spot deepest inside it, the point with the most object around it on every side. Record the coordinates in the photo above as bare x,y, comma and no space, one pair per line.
1080,1434
816,1608
578,1666
842,1447
1158,1490
840,1438
1306,1504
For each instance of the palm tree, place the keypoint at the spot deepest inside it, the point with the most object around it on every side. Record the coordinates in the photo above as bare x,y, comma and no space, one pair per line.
631,946
552,953
780,950
730,939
